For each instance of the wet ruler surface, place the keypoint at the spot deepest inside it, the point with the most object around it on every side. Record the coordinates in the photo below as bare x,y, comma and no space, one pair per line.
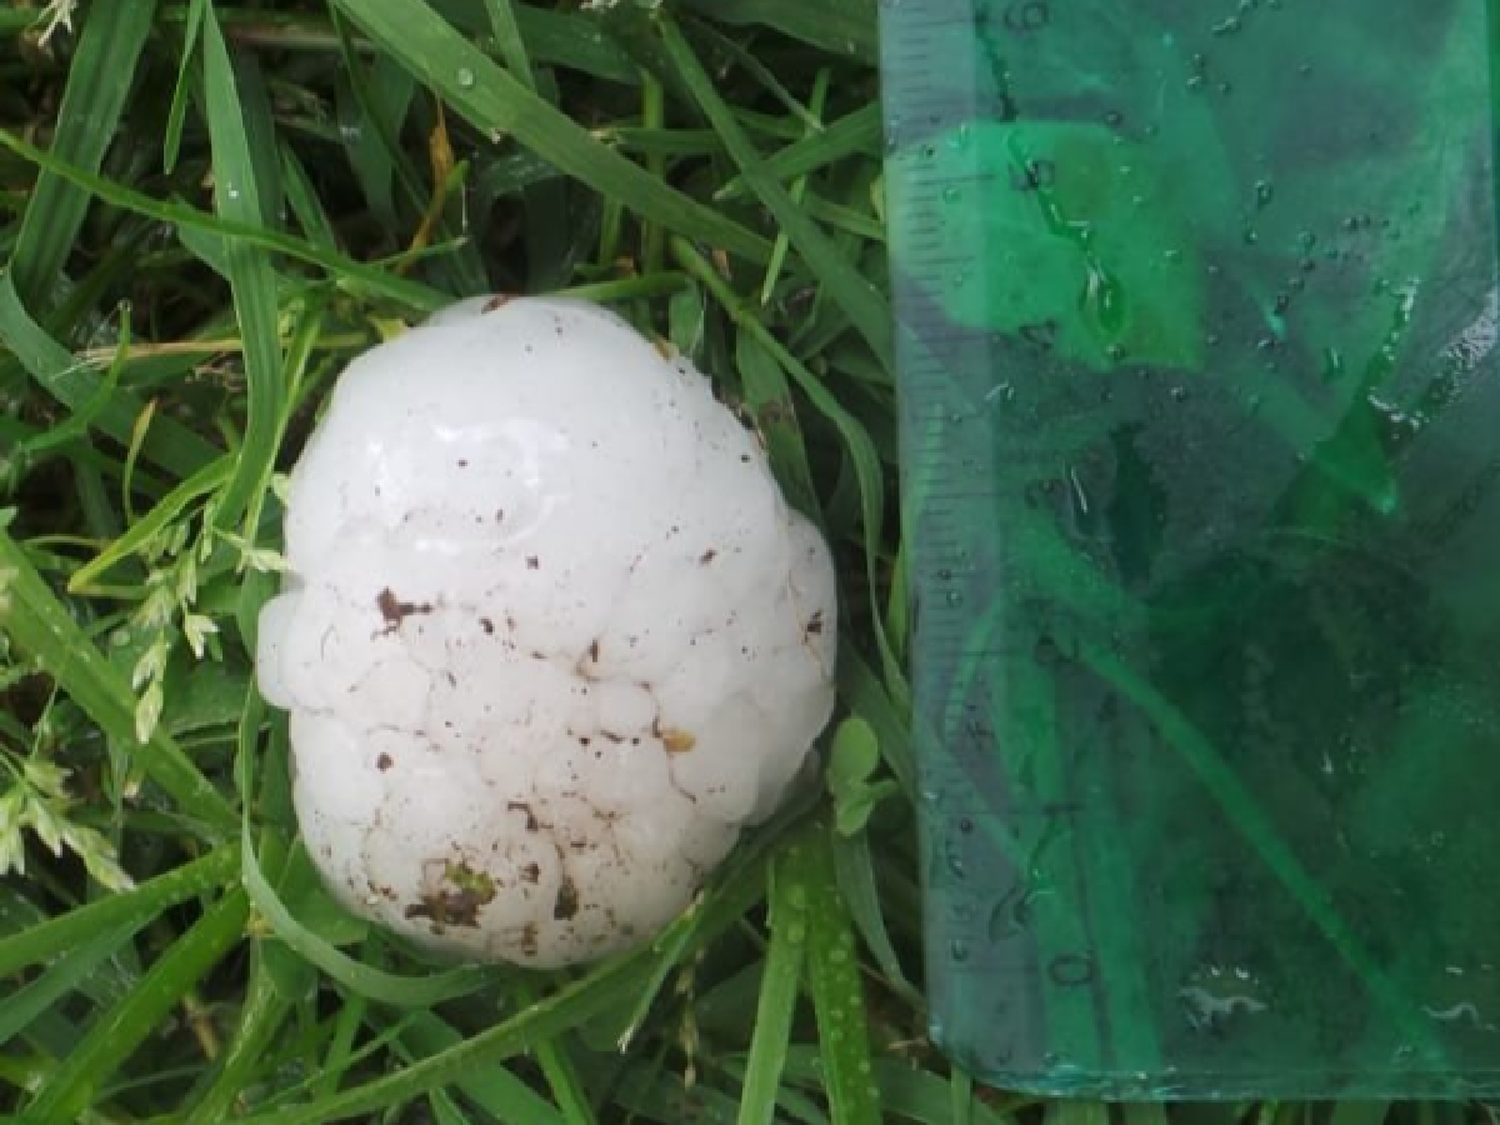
1202,491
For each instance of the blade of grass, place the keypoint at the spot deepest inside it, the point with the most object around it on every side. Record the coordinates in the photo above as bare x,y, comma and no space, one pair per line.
567,39
509,174
1349,1112
1069,1111
648,1090
556,38
558,1069
262,1014
548,222
41,625
239,183
138,434
303,199
78,423
508,41
770,398
778,989
116,1034
352,275
643,140
493,1088
372,110
853,134
340,1056
564,1010
905,1091
840,27
370,983
177,114
838,277
500,104
654,118
74,383
1144,1113
792,1103
742,57
383,101
99,82
603,990
898,608
798,189
841,218
856,880
153,523
961,1096
838,995
126,909
62,977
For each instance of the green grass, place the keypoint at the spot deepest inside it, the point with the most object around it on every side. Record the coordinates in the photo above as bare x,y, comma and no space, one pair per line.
206,209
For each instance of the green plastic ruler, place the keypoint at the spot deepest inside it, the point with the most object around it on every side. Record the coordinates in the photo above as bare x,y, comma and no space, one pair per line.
1202,491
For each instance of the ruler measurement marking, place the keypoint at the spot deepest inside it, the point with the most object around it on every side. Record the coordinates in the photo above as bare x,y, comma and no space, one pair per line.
939,365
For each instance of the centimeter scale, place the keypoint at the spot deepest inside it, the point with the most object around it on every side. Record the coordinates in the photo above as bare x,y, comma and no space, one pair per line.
1201,440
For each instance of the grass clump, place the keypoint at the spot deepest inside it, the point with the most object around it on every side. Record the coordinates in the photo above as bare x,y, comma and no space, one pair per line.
207,209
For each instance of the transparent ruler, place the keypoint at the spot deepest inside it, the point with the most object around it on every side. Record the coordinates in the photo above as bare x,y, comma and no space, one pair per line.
1202,493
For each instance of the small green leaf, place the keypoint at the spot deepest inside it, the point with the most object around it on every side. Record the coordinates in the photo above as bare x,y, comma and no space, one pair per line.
852,810
855,753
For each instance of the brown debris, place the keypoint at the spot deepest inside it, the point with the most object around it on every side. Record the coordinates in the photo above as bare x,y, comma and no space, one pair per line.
457,902
566,905
395,611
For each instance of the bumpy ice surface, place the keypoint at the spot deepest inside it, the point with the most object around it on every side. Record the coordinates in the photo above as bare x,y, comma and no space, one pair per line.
551,636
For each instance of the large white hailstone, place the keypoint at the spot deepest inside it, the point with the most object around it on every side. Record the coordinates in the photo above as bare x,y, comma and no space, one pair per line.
551,636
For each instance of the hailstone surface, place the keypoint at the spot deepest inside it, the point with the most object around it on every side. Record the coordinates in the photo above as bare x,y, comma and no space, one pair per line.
550,639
